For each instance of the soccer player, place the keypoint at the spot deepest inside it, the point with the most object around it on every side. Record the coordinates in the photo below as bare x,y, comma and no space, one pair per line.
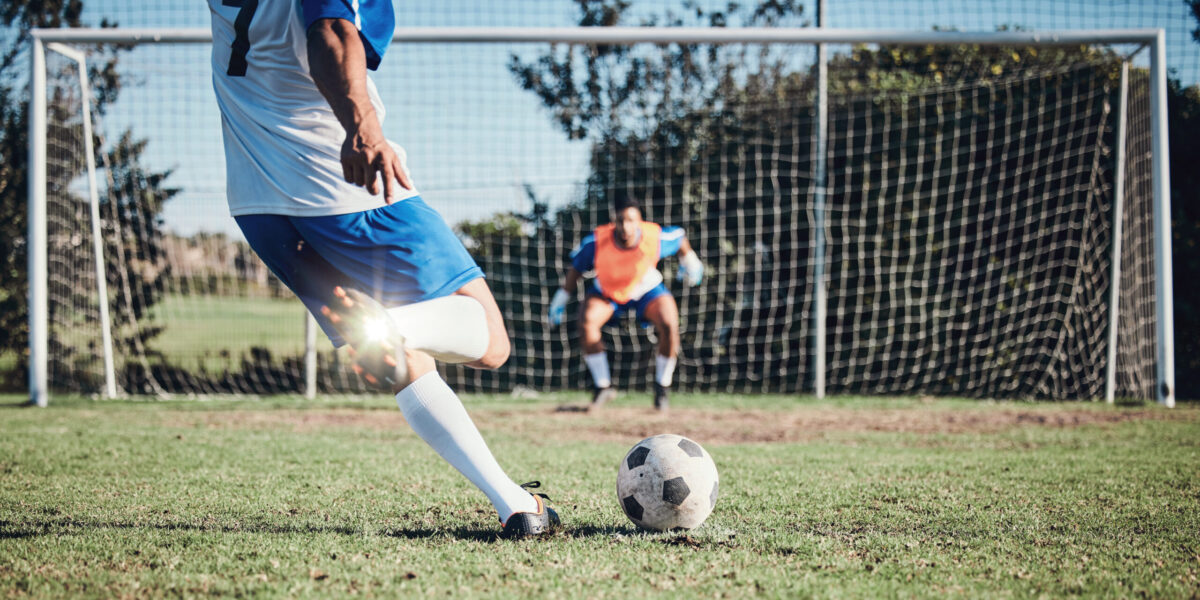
624,255
328,204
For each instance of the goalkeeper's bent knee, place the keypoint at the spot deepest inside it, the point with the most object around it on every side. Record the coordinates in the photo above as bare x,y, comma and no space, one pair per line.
452,329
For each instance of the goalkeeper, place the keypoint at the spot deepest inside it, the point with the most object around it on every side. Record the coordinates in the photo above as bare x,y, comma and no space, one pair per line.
624,255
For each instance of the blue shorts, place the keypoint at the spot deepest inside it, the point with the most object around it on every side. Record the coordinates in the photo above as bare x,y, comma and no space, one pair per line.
638,306
400,253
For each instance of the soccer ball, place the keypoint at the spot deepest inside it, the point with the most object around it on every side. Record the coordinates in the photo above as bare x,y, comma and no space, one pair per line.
667,482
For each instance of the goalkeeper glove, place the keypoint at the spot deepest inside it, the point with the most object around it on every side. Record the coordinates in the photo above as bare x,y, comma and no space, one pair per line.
691,270
558,306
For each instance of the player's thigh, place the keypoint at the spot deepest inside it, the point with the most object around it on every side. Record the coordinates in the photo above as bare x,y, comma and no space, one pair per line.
295,262
663,313
498,343
400,254
595,313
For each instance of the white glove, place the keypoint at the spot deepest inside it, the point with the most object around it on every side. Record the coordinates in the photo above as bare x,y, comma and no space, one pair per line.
558,306
691,270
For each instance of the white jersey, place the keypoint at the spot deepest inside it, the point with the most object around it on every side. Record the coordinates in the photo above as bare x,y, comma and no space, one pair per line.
282,141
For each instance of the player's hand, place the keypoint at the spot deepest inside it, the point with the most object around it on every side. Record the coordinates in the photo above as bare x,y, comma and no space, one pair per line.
367,157
691,270
558,307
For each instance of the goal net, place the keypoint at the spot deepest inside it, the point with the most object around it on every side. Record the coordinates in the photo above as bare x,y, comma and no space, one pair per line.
964,237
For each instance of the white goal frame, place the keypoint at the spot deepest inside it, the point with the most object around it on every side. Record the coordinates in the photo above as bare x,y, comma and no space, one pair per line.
1153,39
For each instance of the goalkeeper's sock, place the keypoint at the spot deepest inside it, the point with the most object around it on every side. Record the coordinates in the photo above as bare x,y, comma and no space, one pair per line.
452,329
436,414
664,369
597,365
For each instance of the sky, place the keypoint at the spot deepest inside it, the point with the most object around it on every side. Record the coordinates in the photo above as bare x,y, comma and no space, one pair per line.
473,137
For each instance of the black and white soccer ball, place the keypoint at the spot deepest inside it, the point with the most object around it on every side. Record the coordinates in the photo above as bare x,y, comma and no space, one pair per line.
667,482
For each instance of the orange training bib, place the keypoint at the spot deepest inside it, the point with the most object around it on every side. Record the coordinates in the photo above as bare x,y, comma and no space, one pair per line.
618,269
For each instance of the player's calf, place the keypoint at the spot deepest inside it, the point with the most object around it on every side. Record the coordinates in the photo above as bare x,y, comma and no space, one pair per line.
662,401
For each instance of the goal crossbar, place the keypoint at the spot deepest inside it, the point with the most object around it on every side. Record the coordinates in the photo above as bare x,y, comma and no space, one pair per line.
1154,39
650,35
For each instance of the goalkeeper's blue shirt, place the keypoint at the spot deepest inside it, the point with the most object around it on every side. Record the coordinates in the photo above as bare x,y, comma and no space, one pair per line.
282,141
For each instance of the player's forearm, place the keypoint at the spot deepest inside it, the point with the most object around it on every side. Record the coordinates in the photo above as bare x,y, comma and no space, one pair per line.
685,248
338,64
571,281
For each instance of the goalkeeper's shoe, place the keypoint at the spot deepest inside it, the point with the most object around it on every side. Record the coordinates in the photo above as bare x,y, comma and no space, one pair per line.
601,396
531,524
661,401
377,348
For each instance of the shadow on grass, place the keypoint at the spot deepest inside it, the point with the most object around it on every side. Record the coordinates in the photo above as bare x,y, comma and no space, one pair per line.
21,404
54,527
493,535
600,530
31,529
20,534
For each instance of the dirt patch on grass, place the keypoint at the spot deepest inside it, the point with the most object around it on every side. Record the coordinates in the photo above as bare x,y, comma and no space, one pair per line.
742,426
620,424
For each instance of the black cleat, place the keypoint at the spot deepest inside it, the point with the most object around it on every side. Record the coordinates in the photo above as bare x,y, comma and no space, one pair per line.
661,402
377,348
602,395
531,524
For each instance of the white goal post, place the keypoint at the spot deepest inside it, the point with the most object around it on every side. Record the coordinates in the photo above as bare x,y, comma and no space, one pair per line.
49,40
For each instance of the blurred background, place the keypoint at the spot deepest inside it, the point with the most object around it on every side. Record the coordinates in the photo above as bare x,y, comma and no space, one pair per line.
968,224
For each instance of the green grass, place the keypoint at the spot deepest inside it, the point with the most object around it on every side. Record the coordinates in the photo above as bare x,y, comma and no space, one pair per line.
226,329
280,498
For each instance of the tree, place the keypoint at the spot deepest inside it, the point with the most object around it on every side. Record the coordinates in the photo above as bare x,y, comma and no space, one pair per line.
1195,6
132,228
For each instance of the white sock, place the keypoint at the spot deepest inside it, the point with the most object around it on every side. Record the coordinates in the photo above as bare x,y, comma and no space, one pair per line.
451,329
597,365
437,415
664,369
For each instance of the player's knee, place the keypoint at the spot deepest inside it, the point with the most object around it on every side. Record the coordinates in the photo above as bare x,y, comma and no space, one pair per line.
589,330
497,353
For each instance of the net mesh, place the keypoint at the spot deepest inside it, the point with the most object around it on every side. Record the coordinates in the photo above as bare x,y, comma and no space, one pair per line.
969,217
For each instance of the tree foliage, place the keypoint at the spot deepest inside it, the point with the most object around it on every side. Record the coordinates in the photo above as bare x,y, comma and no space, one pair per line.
129,210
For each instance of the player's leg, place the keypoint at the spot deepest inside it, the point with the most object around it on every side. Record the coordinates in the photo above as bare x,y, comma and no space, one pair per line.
435,412
663,313
596,311
406,251
438,417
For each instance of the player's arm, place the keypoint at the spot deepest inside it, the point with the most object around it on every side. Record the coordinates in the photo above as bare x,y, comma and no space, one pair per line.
558,304
571,280
691,269
685,248
583,259
337,61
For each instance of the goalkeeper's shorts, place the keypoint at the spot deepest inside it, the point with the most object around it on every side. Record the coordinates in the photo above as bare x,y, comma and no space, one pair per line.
637,305
399,254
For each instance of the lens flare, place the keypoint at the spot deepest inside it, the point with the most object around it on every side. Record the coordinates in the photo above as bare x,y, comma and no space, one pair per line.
375,330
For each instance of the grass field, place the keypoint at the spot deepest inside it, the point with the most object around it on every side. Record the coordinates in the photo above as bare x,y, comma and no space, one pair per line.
842,498
229,324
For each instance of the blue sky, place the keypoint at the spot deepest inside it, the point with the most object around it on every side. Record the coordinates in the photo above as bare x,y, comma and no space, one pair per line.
473,137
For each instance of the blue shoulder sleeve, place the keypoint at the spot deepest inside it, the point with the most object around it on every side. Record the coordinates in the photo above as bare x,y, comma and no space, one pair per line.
583,257
670,240
374,19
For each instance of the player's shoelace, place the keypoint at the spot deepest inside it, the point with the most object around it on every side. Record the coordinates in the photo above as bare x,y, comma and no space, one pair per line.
531,485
